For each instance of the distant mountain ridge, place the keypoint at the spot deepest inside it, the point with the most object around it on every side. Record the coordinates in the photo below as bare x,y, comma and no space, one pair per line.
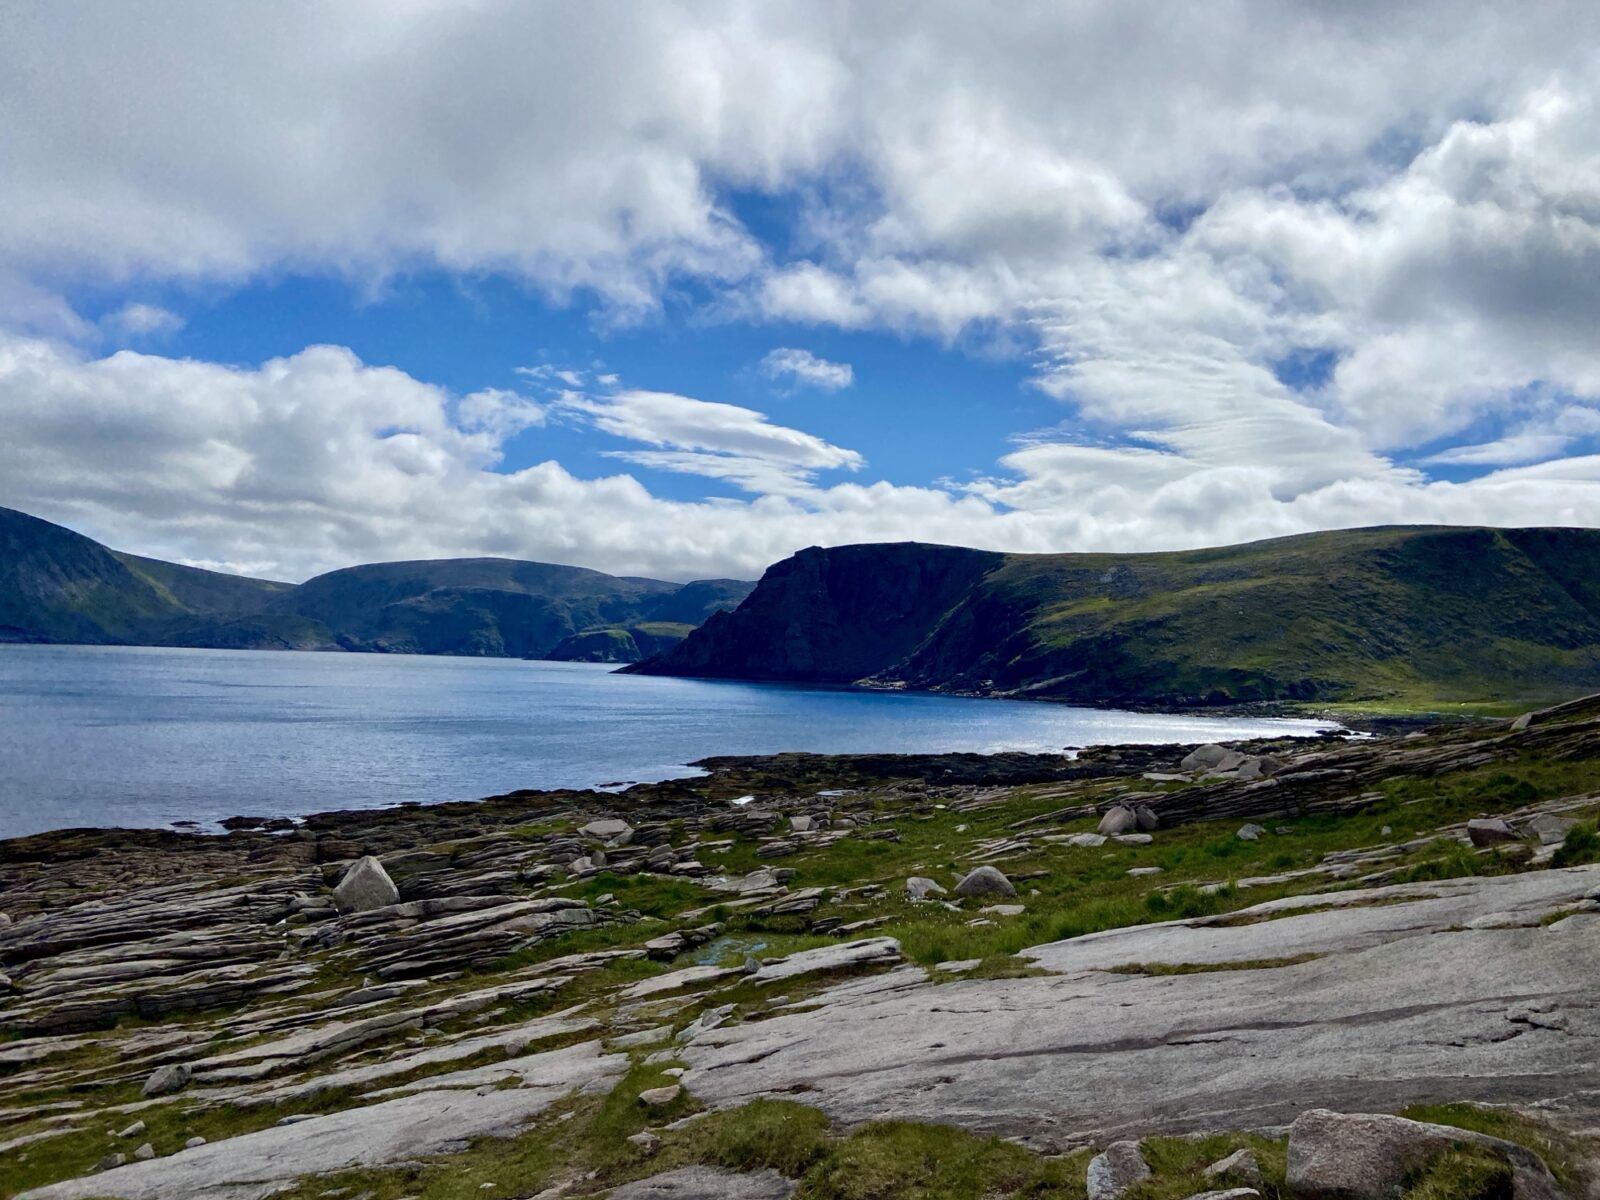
1406,614
59,586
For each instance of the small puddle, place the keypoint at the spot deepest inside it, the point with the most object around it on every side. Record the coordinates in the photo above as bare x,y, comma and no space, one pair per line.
720,949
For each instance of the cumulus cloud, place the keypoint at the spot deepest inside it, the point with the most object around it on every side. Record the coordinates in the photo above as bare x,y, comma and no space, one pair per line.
802,367
1170,210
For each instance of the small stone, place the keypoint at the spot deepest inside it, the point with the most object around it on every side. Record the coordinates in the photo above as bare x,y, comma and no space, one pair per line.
957,966
133,1130
364,887
645,1141
110,1161
1116,1170
164,1081
194,1142
1005,910
145,1152
1140,872
1249,832
1238,1193
660,1097
985,881
802,824
1133,839
920,888
1147,818
1118,819
1087,840
606,828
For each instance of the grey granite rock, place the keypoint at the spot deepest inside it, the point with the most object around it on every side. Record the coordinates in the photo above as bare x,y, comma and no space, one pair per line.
1402,1006
1116,1169
364,887
1363,1156
707,1183
984,882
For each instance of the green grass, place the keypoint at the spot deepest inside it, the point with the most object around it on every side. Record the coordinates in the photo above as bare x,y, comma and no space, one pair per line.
1466,1174
1559,1154
1582,845
1177,1165
899,1160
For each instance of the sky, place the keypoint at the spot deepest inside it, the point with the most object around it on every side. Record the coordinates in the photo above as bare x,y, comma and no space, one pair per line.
678,289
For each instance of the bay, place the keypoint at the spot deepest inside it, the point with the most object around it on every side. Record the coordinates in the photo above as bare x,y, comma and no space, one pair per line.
143,736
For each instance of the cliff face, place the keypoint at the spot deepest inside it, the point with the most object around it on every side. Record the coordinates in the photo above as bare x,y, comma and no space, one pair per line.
832,616
1409,614
58,586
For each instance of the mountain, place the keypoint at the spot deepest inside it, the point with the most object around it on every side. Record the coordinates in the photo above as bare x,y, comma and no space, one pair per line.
1403,614
58,586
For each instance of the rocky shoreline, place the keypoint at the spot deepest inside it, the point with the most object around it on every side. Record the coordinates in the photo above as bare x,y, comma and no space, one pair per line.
1134,959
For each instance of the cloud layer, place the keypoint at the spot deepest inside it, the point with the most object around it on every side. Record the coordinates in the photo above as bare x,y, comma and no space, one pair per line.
1284,265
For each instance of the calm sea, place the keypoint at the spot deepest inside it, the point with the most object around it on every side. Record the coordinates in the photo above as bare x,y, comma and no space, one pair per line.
135,736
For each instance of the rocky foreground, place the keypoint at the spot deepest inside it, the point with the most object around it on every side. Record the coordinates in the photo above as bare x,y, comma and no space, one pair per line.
1320,969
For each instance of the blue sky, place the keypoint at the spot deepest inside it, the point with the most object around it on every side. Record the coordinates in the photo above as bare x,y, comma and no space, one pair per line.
680,290
468,334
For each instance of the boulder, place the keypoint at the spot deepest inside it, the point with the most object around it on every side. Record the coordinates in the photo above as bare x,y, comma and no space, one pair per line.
1249,832
1239,1168
606,828
1217,760
145,1152
1146,817
985,881
365,886
1118,819
1364,1156
1490,831
802,824
1087,840
1550,829
133,1130
660,1097
920,888
1117,1169
164,1081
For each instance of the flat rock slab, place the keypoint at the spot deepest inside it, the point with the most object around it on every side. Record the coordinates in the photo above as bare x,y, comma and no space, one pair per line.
1355,921
707,1183
254,1166
1436,1013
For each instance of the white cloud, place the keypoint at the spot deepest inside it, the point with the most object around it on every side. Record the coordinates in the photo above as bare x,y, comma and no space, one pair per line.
136,319
805,368
721,441
1162,205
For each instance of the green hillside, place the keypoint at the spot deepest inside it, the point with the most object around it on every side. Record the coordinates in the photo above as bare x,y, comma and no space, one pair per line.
58,586
1400,614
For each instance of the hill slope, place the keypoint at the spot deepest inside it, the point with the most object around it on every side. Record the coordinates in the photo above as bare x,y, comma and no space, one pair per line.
1415,614
58,586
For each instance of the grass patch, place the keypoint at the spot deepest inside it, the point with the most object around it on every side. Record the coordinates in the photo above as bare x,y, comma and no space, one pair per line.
1582,845
1467,1174
1178,1164
1558,1155
787,1137
899,1160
